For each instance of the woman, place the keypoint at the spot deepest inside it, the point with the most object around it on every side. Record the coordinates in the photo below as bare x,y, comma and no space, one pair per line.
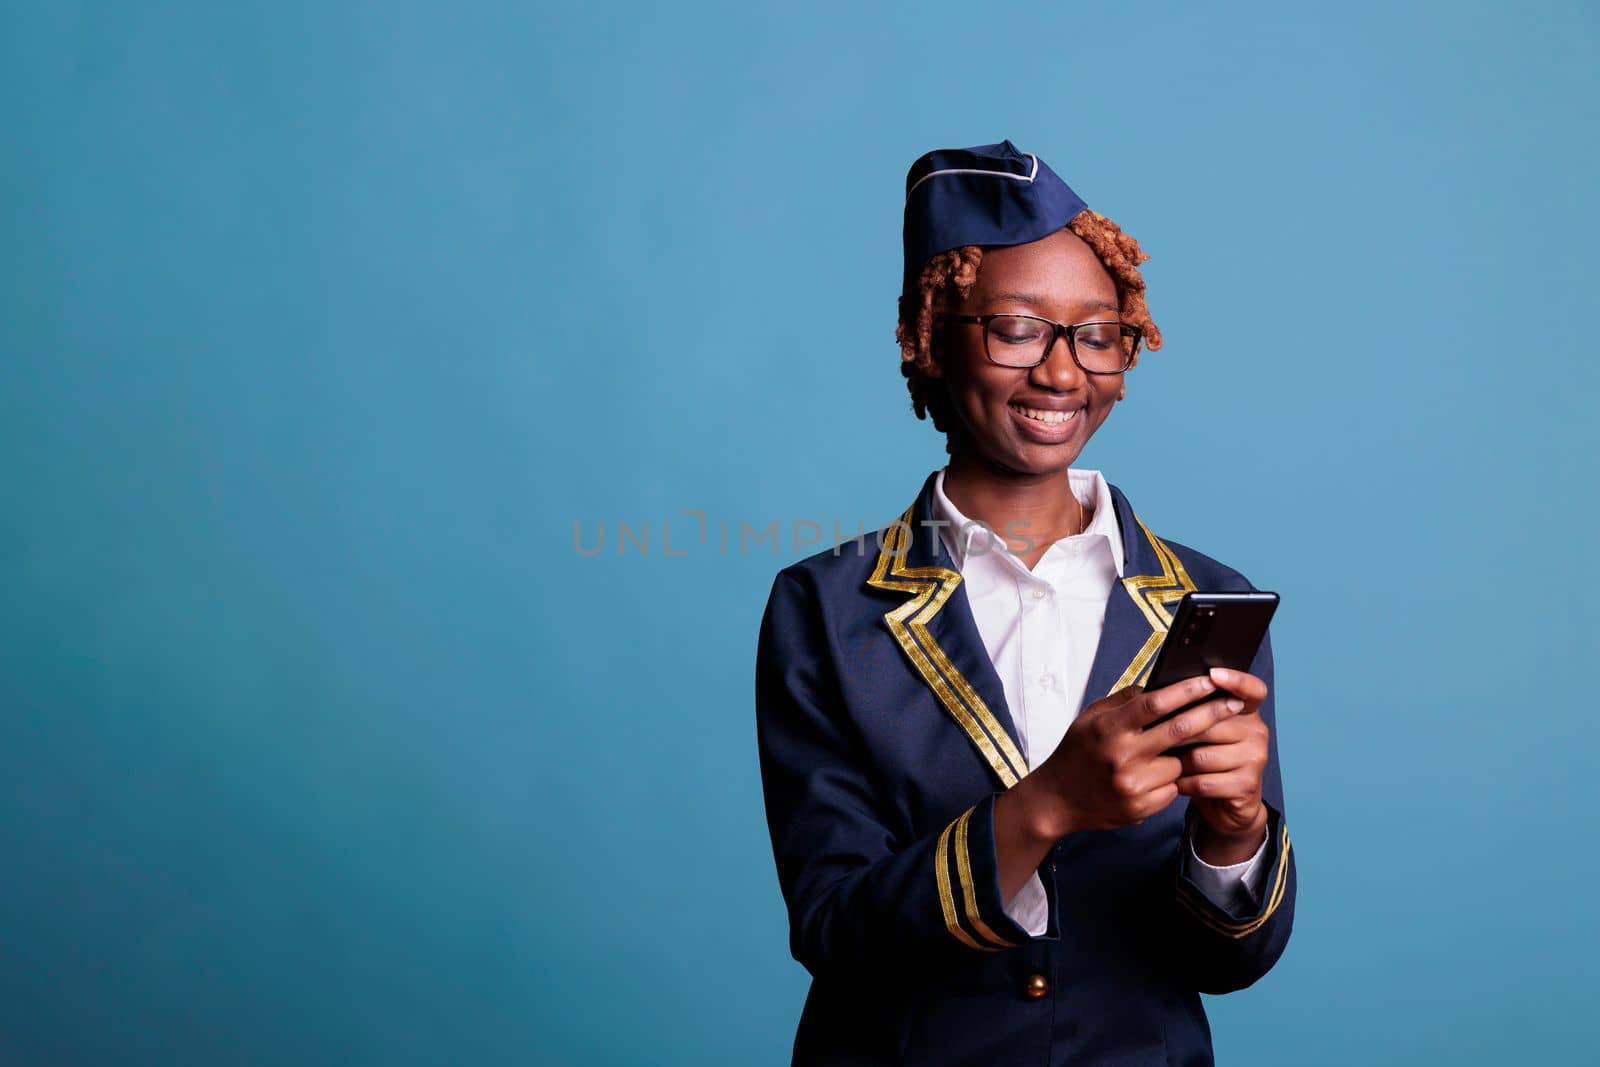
986,859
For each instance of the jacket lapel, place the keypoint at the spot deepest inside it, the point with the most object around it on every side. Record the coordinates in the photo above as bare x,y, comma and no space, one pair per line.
934,627
1139,610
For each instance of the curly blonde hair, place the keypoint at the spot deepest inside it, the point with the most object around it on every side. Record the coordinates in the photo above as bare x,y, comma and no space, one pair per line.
954,273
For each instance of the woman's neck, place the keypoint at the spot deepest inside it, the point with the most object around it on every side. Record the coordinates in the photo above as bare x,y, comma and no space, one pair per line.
1030,512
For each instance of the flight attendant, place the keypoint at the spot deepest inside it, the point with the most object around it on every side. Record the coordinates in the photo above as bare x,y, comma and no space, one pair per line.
985,856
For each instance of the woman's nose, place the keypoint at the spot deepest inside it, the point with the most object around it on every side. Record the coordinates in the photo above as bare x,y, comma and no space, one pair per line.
1059,372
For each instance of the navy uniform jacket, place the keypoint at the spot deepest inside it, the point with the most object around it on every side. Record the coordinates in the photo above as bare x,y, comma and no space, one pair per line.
884,739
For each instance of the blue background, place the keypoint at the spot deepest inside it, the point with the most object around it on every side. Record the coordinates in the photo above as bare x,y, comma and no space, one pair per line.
322,325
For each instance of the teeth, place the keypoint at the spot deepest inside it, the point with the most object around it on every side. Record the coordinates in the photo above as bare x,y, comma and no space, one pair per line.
1049,418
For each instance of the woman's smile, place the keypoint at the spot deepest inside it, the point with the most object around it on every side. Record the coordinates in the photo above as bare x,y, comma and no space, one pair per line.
1047,425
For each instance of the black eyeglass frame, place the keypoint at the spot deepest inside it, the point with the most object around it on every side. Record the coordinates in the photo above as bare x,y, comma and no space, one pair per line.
1061,328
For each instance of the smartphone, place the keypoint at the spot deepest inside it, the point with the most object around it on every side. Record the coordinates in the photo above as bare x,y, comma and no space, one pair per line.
1211,630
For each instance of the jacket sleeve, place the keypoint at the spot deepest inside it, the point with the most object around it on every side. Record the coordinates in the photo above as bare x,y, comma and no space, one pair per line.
859,896
1219,949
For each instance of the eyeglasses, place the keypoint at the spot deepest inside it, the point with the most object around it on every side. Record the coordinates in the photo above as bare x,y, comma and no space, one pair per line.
1026,340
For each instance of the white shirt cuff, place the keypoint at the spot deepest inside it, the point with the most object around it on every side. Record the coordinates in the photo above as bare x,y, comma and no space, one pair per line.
1235,888
1030,909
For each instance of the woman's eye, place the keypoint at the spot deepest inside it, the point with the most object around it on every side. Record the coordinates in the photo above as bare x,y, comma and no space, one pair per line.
1099,338
1016,333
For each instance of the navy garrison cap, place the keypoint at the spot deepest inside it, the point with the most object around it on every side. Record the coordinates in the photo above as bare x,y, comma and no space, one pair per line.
990,194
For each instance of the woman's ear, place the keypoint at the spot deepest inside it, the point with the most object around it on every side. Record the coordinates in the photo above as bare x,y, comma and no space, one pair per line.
1122,393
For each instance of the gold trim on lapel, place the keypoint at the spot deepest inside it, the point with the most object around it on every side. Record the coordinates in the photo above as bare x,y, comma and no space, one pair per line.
908,623
1153,593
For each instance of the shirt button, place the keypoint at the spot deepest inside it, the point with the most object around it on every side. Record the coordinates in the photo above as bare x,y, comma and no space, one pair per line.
1036,986
1039,594
1046,681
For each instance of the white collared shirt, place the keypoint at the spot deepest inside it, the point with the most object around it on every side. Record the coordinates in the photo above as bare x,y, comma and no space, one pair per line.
1041,628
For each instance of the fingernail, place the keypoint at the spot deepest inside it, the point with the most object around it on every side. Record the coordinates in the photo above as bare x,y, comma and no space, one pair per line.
1235,705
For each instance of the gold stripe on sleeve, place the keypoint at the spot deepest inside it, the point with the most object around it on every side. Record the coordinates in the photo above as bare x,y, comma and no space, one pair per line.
1274,898
968,893
947,903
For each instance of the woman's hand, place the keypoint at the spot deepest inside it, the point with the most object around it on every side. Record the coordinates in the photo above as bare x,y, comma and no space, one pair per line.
1222,775
1109,771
